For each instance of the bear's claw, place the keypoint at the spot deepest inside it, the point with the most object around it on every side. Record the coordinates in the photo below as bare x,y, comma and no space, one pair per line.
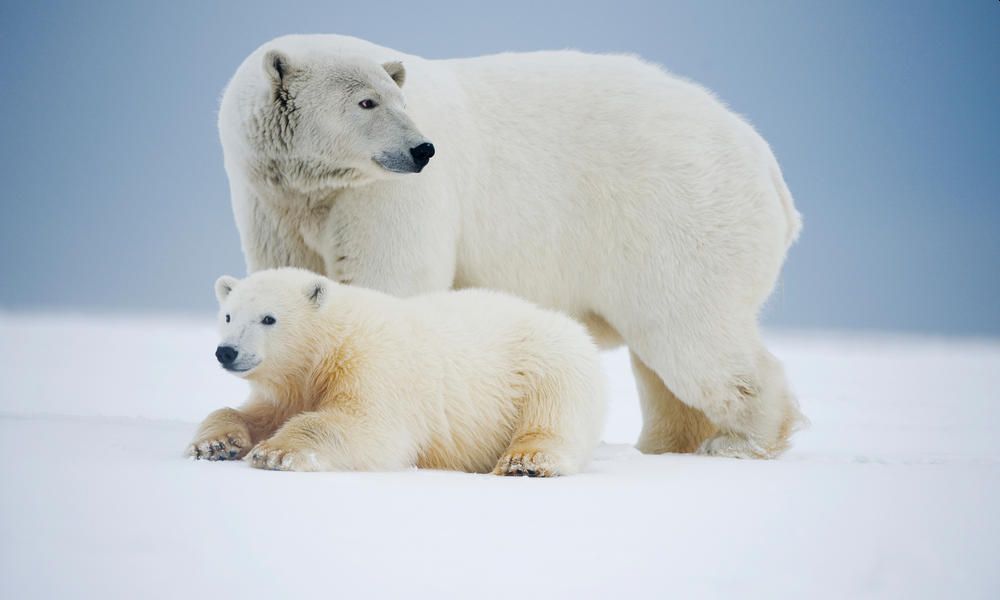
274,459
226,447
732,446
532,464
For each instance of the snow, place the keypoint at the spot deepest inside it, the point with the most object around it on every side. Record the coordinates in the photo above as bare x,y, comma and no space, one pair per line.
892,492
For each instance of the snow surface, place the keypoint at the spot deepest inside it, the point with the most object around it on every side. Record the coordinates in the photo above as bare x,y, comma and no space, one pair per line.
892,492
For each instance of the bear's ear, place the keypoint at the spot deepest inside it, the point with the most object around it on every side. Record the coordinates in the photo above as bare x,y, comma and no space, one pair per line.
316,292
276,66
396,70
224,285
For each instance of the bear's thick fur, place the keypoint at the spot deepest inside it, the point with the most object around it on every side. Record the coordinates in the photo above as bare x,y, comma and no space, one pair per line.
597,185
345,378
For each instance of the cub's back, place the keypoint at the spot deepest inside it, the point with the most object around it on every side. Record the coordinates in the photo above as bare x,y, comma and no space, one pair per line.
490,330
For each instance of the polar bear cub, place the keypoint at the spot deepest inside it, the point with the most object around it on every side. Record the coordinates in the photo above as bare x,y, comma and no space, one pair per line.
346,378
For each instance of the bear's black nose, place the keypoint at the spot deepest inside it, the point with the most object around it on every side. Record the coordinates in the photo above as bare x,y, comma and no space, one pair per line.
422,154
226,355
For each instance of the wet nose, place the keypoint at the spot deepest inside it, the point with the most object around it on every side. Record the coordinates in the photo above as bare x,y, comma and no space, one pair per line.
422,154
226,354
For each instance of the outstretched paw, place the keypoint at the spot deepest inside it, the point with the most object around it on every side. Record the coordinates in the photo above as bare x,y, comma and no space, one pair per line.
530,463
277,458
227,446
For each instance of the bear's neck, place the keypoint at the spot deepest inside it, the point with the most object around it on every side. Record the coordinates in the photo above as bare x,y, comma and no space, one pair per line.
290,181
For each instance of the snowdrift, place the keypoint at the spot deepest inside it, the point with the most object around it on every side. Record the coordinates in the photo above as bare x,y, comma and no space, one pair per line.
892,491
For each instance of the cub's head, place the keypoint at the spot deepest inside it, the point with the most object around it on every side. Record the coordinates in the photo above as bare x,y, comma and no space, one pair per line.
268,321
328,121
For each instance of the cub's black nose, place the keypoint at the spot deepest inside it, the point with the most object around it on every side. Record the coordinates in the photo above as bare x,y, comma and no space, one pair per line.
422,154
226,354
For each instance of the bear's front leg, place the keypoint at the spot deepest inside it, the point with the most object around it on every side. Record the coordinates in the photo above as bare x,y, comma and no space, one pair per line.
402,246
298,444
333,440
228,433
223,435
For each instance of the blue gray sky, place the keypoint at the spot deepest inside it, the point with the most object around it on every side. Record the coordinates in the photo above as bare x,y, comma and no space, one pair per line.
883,115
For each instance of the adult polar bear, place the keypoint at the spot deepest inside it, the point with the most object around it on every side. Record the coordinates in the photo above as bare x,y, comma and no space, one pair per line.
597,185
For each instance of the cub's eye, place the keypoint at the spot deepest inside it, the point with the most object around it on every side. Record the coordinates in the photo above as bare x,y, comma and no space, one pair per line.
227,318
268,320
367,104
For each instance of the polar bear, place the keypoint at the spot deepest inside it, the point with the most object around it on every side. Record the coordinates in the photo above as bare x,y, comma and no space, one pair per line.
597,185
345,378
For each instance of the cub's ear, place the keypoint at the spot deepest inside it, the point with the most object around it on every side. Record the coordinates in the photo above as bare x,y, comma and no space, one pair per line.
224,285
396,70
317,291
276,66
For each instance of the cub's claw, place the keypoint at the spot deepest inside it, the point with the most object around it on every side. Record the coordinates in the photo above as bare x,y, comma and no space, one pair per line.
532,464
229,446
265,456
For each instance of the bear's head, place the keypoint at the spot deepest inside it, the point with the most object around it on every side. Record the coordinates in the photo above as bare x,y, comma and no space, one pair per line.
331,121
268,322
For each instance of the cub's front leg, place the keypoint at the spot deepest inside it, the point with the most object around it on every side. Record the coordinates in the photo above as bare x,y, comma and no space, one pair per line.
223,435
332,440
304,443
228,433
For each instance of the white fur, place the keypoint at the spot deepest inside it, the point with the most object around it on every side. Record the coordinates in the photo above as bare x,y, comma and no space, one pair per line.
597,185
352,379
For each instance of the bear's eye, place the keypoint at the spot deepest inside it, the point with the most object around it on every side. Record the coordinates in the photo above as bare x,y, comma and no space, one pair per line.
268,320
367,104
227,318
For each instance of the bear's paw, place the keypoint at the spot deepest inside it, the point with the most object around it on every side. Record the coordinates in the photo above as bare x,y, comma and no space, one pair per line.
733,446
227,446
278,458
531,463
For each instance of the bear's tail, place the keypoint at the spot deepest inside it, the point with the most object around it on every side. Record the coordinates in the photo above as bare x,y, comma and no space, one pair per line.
792,216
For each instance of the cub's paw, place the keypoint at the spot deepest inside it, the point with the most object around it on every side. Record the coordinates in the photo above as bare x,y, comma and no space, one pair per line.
227,446
277,458
733,446
532,463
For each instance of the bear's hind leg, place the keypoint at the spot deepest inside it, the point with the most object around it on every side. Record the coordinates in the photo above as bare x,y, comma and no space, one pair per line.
535,453
724,372
765,431
558,422
668,425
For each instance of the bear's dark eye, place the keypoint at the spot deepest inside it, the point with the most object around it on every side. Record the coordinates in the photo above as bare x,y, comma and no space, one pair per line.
268,320
367,104
227,318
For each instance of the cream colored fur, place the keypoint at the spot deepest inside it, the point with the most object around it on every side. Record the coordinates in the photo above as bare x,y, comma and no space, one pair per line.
600,186
352,379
